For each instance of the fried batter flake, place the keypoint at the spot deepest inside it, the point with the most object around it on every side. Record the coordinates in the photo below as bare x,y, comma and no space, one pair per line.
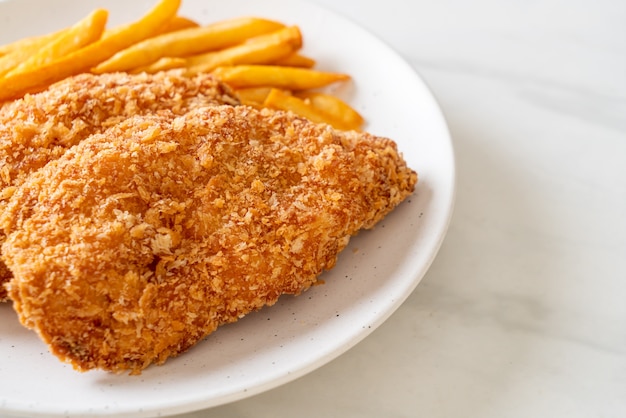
39,128
140,241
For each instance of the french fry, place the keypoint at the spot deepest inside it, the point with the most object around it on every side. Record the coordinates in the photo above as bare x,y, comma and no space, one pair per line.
261,49
177,23
257,57
89,56
188,42
19,51
174,24
83,33
280,100
289,78
344,116
149,25
32,43
166,63
295,60
253,96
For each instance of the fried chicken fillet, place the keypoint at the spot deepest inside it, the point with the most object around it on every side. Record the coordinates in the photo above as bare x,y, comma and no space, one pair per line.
140,241
40,127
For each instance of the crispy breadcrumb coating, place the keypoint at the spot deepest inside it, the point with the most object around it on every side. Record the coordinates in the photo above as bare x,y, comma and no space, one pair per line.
40,127
140,241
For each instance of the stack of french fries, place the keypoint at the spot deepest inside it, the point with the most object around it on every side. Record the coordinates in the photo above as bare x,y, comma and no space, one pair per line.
259,58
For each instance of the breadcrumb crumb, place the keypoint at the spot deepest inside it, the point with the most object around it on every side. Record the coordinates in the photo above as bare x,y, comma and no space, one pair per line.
141,240
41,127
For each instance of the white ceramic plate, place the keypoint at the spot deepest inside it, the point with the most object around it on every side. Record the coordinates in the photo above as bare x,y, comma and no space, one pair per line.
374,275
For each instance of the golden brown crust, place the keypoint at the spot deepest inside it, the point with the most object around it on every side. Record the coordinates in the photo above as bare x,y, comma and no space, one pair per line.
40,127
140,241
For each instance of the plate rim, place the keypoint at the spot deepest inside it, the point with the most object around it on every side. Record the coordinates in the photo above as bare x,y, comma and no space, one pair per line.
201,403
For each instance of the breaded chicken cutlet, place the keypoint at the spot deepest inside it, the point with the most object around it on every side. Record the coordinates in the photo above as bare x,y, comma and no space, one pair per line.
41,127
140,241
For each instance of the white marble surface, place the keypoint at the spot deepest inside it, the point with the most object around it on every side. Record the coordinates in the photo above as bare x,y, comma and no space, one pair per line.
523,313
